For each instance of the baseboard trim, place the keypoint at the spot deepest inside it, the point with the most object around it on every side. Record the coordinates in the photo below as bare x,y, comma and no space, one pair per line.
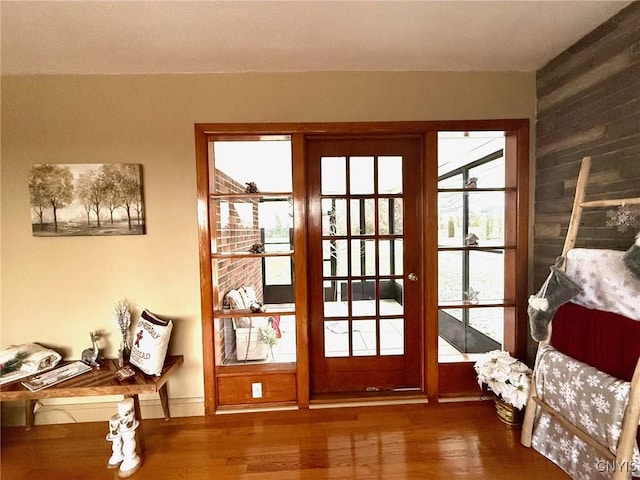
49,412
57,411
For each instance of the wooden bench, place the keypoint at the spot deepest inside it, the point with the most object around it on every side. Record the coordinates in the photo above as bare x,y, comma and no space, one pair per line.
100,381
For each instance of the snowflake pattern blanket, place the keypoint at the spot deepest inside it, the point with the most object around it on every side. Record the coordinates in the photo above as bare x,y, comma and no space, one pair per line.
607,284
594,401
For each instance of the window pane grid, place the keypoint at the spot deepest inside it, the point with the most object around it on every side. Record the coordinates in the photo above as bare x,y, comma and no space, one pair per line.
471,235
362,257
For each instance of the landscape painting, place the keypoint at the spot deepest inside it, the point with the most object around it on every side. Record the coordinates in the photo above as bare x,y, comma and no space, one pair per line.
86,199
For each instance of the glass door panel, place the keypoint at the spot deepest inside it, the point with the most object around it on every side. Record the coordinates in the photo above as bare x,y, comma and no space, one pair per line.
490,322
336,331
490,174
251,218
362,216
450,215
361,175
486,274
389,175
471,240
392,336
236,163
486,217
471,219
450,276
334,216
366,336
390,216
334,176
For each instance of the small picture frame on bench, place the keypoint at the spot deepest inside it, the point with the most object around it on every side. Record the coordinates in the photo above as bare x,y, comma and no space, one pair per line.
124,373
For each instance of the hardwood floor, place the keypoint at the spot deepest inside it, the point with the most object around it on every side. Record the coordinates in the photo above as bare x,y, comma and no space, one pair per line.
446,441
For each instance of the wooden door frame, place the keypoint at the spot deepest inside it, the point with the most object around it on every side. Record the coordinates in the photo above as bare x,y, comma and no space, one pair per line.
517,141
409,364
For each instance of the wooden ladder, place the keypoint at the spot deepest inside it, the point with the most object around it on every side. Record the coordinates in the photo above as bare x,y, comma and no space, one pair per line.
579,205
632,413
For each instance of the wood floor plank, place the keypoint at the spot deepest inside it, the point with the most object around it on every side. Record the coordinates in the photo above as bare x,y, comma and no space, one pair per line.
446,441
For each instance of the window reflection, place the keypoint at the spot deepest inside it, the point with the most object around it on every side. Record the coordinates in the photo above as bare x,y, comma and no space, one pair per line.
333,173
471,220
361,175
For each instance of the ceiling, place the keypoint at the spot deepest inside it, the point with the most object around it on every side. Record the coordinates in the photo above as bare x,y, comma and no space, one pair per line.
156,37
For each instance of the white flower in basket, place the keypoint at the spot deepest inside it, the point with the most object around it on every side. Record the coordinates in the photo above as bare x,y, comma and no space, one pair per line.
509,379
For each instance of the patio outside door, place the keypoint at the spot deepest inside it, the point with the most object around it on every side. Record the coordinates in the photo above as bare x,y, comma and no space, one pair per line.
365,278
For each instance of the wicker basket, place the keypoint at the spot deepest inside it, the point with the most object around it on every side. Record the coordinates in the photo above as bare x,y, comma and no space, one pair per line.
508,413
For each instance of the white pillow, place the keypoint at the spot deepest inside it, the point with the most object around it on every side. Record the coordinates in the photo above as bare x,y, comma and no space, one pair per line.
150,343
606,282
236,302
248,294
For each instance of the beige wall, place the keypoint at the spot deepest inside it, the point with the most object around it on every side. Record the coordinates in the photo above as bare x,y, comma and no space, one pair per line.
54,290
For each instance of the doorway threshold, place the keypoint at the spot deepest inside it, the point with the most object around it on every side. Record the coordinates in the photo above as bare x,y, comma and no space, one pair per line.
363,399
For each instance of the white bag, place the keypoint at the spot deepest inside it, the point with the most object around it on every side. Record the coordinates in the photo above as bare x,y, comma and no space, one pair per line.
150,343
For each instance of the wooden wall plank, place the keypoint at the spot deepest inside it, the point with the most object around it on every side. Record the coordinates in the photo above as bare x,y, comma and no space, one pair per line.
588,105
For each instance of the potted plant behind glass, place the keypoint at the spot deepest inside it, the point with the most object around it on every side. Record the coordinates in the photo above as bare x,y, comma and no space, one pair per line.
268,336
509,379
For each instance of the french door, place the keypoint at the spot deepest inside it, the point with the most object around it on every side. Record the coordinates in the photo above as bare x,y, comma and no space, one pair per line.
368,253
364,265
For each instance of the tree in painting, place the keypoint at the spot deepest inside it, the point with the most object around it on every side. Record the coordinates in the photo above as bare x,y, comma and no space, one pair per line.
37,191
83,191
94,199
51,185
111,179
122,189
93,191
130,190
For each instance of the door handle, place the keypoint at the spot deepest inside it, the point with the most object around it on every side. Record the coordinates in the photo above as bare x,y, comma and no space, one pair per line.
412,277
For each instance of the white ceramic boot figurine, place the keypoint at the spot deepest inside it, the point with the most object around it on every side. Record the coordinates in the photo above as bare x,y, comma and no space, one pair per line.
116,442
127,429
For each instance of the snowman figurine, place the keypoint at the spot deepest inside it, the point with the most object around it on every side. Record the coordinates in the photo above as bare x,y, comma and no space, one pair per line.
122,434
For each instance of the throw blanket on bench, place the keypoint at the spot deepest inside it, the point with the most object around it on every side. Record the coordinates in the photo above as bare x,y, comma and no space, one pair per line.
28,359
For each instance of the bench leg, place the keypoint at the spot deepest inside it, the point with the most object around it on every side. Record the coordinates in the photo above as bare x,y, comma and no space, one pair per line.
164,400
29,413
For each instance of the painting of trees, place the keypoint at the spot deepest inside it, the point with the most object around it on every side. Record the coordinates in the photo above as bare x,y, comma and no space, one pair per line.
86,199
